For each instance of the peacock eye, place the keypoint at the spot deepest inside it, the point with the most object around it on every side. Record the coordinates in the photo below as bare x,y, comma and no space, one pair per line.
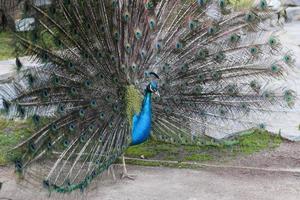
234,38
253,50
158,46
212,30
275,68
128,48
263,4
72,127
138,34
61,109
250,17
116,35
287,59
178,45
54,127
81,113
152,23
149,5
192,24
222,4
93,103
91,128
143,54
272,41
201,2
88,83
126,16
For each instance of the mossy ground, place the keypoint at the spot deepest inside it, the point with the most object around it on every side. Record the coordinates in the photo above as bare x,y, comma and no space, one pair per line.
246,144
6,47
12,132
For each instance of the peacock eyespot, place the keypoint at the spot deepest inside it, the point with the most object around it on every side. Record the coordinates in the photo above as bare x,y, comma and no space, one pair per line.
32,147
152,24
138,34
287,59
263,4
275,68
81,113
116,35
202,2
36,119
66,143
250,17
61,109
18,165
54,127
128,48
212,30
93,103
111,125
88,83
222,4
178,45
158,46
126,16
73,91
272,41
202,54
253,50
262,126
72,127
91,128
49,145
82,138
193,24
149,5
102,115
234,38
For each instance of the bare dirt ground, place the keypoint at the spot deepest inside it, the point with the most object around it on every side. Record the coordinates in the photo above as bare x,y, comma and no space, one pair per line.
158,183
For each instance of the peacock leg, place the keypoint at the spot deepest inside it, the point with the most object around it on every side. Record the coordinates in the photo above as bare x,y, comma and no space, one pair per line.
111,171
125,173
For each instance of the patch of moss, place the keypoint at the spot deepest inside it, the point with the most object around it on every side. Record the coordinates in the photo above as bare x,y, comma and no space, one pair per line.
241,4
247,143
198,157
6,41
11,134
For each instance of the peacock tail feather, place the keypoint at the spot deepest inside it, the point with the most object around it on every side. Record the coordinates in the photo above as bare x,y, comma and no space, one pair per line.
216,66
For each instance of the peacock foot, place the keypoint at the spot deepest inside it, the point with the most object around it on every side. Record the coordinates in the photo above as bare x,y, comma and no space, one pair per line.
128,176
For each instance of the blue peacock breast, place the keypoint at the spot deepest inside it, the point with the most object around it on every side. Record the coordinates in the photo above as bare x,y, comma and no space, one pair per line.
141,128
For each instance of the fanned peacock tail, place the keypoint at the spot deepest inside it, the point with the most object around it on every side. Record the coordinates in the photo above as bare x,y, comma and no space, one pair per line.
216,68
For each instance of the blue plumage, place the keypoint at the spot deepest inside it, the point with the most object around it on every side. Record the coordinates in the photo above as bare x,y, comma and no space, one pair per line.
142,123
214,67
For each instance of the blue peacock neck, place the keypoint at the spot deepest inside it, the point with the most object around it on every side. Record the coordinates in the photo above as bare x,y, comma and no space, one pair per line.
141,128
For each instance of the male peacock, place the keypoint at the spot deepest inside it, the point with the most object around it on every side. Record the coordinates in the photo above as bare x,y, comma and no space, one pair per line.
212,66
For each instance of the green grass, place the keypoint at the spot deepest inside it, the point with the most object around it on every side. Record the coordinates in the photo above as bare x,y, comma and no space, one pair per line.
209,150
12,133
6,45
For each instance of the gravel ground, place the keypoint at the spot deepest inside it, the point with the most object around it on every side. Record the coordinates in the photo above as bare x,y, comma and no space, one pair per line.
158,183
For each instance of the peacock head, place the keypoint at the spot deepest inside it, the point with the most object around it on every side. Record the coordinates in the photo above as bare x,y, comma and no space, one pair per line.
153,85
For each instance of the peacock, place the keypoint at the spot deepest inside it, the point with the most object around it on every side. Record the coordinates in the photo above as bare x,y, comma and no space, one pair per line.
110,74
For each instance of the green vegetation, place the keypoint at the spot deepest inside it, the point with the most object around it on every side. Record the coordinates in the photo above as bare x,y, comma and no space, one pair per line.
6,47
242,4
209,150
12,133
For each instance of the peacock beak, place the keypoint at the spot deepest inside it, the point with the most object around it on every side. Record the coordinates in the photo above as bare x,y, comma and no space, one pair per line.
157,93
